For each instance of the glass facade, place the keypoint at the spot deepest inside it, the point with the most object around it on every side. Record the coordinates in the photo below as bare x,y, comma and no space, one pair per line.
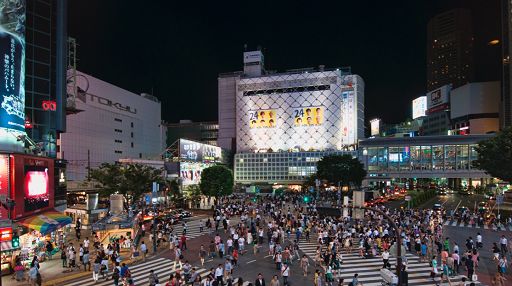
430,157
278,167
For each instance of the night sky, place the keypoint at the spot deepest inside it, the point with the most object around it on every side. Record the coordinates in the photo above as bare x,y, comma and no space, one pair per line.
176,50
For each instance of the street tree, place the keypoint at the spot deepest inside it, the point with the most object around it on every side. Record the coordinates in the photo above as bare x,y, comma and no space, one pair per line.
132,179
216,181
342,170
495,155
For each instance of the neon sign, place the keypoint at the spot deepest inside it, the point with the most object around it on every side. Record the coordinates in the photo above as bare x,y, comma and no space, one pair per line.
49,105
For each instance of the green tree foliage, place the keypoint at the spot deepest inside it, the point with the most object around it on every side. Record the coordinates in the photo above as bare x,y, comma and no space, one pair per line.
132,179
495,155
216,181
341,169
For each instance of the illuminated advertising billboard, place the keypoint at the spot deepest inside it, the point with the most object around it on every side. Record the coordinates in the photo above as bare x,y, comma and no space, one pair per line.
419,107
4,182
375,127
190,173
198,152
12,69
348,118
262,119
308,116
438,99
36,188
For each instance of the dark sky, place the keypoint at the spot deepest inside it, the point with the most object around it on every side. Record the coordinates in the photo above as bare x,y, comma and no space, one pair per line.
177,50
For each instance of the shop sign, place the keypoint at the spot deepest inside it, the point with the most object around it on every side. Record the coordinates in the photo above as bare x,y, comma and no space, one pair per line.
5,234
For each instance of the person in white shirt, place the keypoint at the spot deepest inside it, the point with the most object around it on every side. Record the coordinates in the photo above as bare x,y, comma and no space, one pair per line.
385,259
86,243
219,272
285,272
479,243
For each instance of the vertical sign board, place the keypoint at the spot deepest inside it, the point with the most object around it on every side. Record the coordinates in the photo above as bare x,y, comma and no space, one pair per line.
348,118
12,72
4,182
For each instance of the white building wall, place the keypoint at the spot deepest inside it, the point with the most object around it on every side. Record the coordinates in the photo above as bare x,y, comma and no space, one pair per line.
107,130
227,113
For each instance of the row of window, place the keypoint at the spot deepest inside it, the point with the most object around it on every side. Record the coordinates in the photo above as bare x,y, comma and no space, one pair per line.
287,90
120,120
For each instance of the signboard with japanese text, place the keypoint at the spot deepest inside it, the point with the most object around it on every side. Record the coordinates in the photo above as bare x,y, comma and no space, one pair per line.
198,152
438,97
308,116
348,117
262,118
12,68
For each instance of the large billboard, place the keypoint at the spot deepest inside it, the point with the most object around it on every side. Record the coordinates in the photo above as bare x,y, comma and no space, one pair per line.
190,172
12,69
438,99
308,116
262,118
375,127
348,118
4,182
419,107
192,151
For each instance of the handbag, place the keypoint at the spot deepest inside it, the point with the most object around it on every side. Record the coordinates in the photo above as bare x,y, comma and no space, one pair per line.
136,254
474,277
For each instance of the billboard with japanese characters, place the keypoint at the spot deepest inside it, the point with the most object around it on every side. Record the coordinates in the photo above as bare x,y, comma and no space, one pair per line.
12,68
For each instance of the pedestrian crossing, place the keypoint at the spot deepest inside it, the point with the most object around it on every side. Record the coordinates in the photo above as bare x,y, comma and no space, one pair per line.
162,267
193,229
456,223
368,269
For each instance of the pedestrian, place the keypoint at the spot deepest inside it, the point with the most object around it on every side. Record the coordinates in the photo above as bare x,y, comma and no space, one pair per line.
85,260
385,259
202,254
116,276
96,269
285,273
32,274
63,257
143,250
355,280
152,278
219,272
433,265
498,280
260,281
274,281
304,264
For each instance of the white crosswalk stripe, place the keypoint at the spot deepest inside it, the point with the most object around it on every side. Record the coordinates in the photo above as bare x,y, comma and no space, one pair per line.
162,267
369,268
456,223
193,230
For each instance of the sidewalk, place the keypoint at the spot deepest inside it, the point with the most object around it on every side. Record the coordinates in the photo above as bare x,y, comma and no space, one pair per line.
52,272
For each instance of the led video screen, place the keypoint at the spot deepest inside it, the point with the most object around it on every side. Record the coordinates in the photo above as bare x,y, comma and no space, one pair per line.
36,188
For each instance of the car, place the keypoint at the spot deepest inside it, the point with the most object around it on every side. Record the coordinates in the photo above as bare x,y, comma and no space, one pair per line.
437,207
483,207
441,192
490,196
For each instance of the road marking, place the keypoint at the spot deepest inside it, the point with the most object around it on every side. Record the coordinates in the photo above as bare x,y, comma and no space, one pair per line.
209,260
477,226
485,226
267,256
454,223
251,261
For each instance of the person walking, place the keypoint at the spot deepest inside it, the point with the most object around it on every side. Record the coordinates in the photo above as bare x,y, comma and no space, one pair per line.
274,281
152,278
143,250
385,259
285,272
202,254
260,281
96,269
304,264
219,272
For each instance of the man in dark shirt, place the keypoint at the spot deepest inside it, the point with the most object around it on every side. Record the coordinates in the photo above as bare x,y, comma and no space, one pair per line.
260,281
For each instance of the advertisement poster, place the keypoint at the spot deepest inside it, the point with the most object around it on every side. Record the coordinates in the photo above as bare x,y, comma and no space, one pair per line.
348,117
12,69
37,188
262,118
4,182
419,107
190,173
199,152
308,116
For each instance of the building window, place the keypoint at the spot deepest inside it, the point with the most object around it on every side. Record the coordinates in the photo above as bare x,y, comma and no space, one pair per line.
131,134
118,120
118,152
140,155
131,124
118,130
132,144
118,141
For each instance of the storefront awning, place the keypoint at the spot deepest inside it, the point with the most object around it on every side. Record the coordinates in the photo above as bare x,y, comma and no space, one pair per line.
46,222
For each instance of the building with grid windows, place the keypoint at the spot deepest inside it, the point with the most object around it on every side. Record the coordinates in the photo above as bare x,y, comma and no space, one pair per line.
280,124
441,157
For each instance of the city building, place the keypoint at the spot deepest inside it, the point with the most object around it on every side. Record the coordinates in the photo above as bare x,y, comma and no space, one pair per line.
446,159
283,119
475,108
204,132
108,123
506,75
450,49
437,119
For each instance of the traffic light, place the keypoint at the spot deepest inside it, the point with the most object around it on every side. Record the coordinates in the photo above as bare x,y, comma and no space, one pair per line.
306,199
15,241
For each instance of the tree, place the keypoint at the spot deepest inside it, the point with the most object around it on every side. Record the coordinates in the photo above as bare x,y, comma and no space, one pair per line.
495,155
341,170
132,179
193,193
216,181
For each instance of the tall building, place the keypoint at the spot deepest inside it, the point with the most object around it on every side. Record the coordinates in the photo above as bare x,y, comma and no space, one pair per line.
110,123
280,124
203,132
506,80
450,49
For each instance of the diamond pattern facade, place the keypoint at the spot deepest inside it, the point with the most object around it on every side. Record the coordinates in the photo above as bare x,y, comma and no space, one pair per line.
339,99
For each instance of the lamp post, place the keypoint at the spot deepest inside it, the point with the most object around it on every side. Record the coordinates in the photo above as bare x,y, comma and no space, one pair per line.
397,237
